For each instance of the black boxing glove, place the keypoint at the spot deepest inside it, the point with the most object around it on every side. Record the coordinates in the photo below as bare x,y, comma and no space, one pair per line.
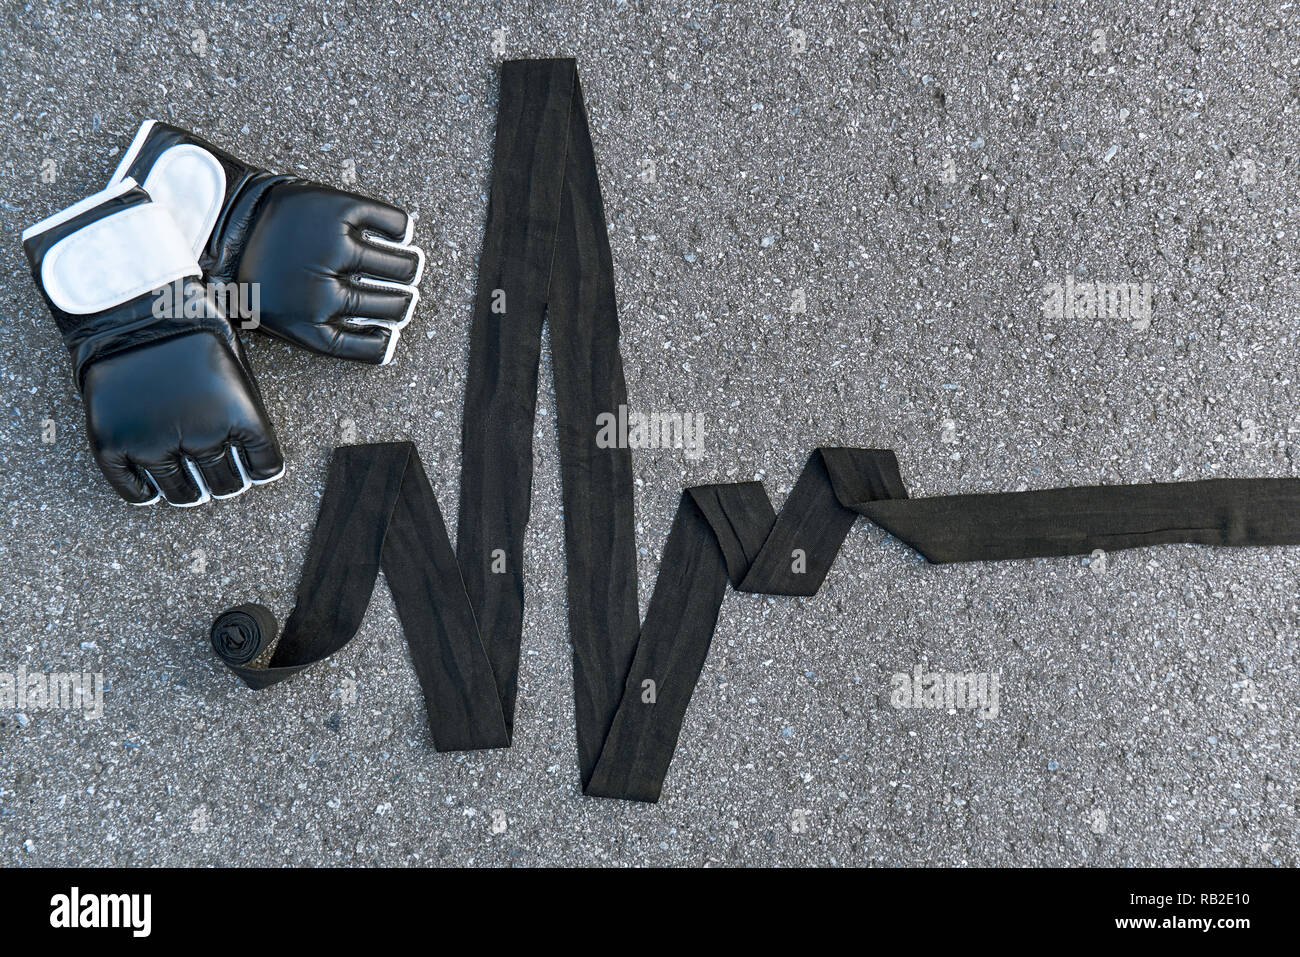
331,271
172,409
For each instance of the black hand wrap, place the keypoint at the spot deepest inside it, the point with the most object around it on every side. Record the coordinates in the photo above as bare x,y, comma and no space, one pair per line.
239,634
462,611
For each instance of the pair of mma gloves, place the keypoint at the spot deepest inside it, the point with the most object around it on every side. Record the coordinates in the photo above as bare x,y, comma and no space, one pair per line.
173,410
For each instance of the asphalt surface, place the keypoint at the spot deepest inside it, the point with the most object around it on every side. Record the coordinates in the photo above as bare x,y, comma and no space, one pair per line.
1147,713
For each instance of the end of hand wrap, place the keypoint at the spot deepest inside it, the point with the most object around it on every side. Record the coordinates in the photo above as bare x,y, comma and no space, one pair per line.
239,634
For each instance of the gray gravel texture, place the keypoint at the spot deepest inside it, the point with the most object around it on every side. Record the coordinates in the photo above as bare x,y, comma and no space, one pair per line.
1147,712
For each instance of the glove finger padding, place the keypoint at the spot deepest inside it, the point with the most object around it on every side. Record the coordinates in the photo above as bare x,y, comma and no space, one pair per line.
376,304
178,485
385,233
360,345
163,376
220,473
257,451
302,246
391,262
128,479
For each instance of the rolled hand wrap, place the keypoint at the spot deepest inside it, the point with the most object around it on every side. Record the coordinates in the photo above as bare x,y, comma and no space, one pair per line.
239,634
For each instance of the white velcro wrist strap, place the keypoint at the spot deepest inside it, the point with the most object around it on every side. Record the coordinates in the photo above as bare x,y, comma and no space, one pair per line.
186,179
115,259
190,184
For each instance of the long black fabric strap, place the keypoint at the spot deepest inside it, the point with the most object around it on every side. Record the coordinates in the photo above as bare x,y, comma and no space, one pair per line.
546,258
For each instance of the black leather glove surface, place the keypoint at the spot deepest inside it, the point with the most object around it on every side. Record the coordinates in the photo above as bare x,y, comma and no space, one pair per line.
334,272
172,408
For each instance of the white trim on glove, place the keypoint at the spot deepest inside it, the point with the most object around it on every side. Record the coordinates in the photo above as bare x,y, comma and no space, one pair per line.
132,151
394,327
112,191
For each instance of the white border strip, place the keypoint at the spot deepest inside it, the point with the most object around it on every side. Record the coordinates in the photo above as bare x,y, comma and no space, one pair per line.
76,209
133,150
205,494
